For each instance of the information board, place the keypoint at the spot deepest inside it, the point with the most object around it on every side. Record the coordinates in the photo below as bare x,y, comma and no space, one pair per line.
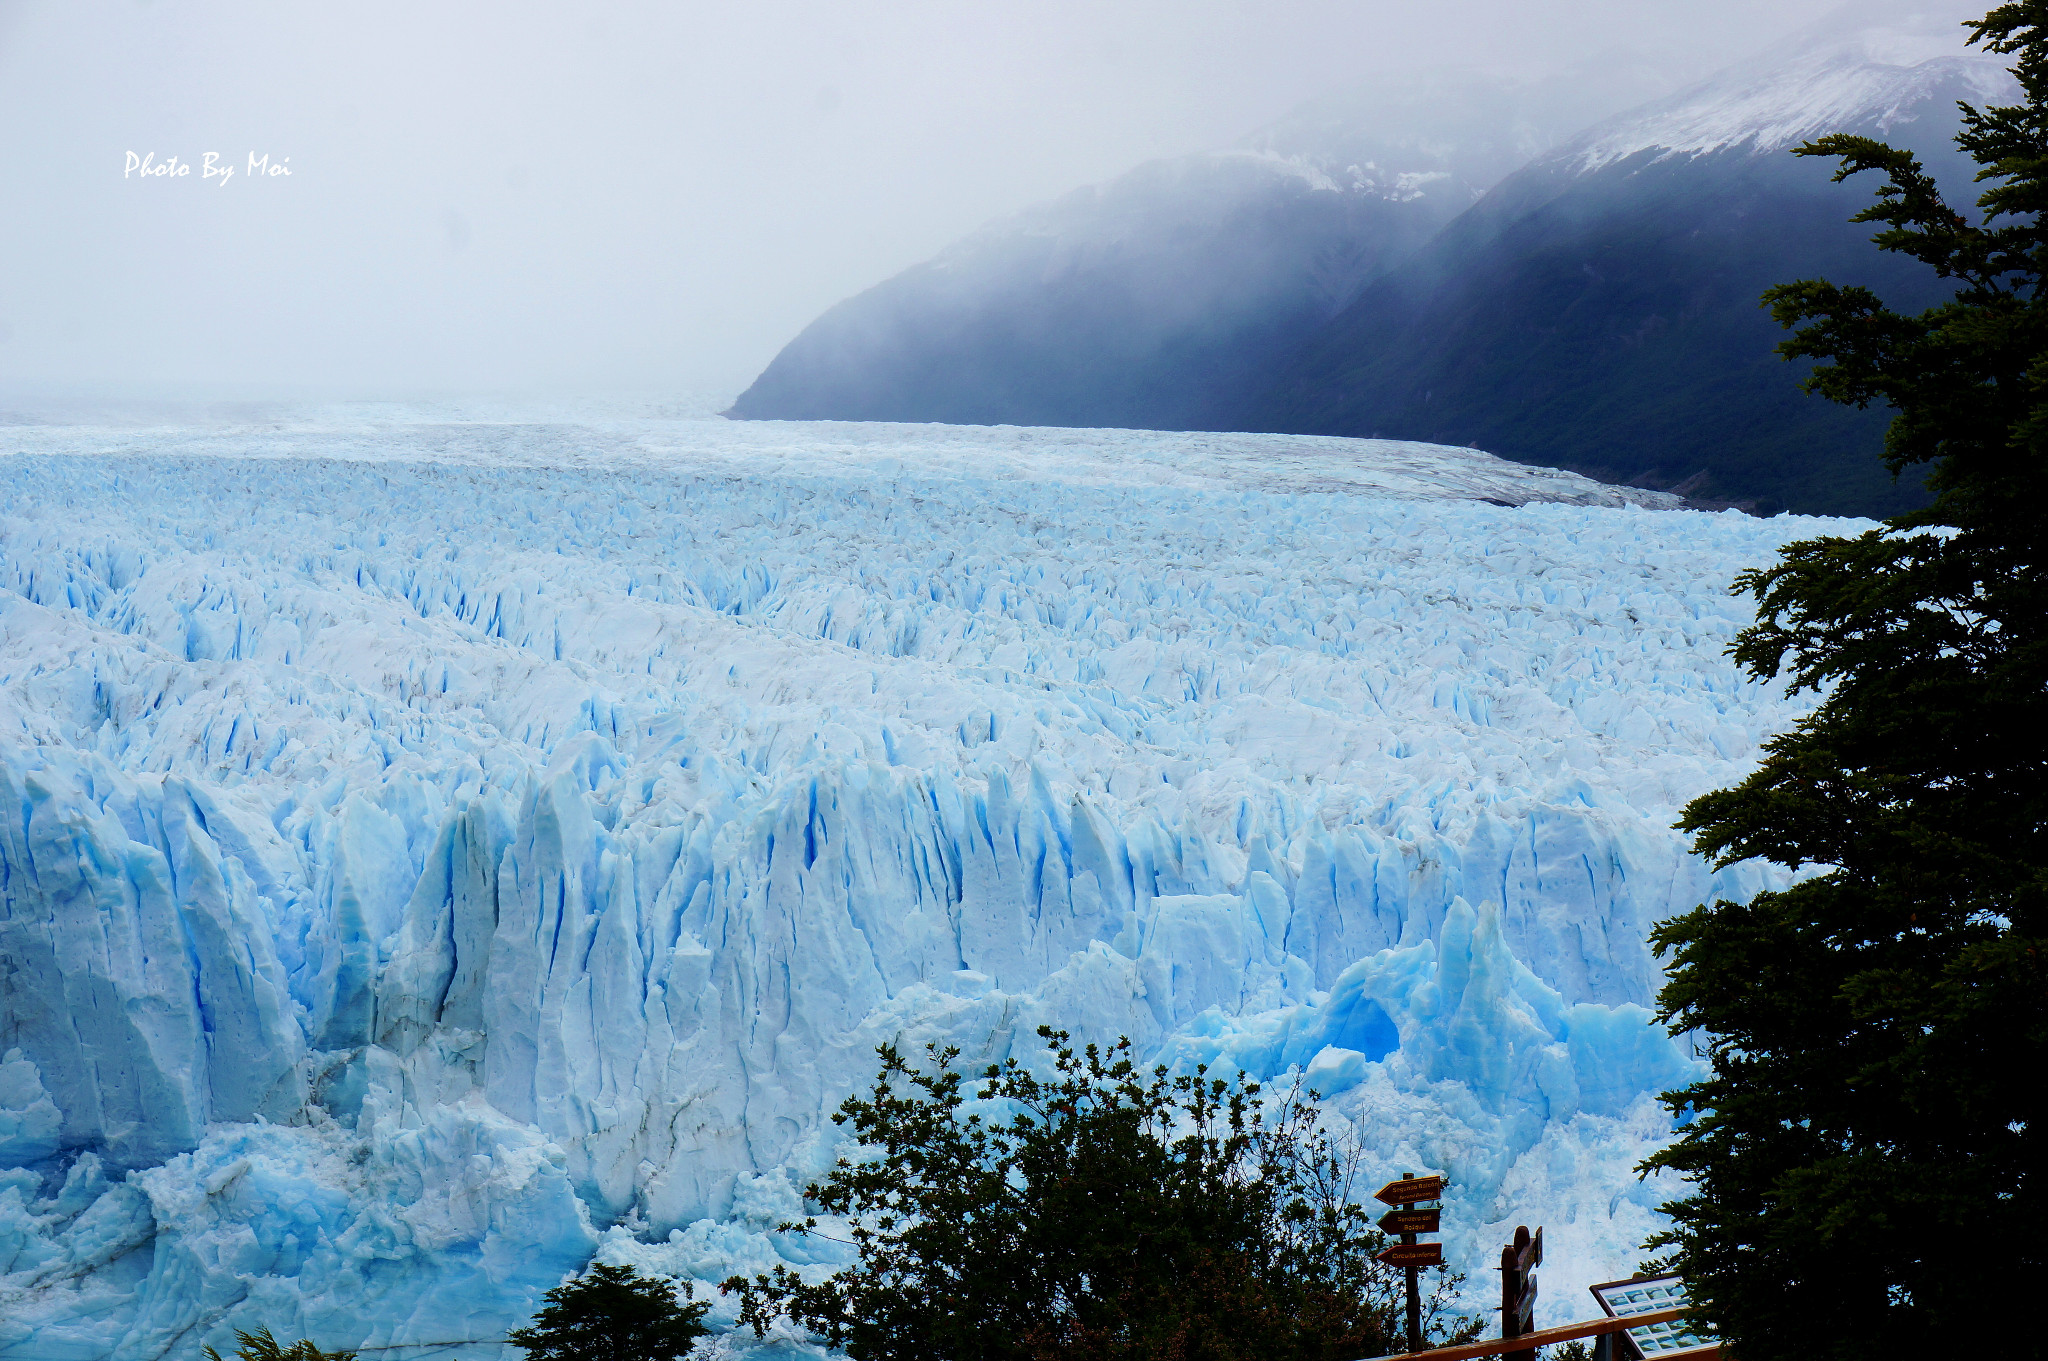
1650,1295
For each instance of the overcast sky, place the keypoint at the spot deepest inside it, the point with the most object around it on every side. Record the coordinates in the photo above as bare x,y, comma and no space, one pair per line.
524,198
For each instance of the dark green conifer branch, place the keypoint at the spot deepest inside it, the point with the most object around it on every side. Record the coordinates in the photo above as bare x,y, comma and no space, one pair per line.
1866,1153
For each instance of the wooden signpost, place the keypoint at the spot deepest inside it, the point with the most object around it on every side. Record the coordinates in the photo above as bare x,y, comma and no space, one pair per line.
1410,1221
1413,1255
1411,1190
1647,1315
1518,1263
1410,1254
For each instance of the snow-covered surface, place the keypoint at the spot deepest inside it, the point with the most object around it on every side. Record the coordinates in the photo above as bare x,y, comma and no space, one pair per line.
436,845
1449,134
575,437
1870,65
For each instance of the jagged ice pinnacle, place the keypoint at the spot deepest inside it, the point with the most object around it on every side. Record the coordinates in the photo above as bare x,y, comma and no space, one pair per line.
438,847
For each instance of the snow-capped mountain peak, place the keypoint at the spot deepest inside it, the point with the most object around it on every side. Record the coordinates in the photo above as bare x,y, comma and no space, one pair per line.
1854,70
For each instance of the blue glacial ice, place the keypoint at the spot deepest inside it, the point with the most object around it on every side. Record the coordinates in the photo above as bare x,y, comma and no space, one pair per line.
440,845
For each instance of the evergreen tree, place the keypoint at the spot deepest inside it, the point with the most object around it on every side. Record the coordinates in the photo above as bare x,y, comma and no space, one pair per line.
1867,1152
1101,1213
261,1346
612,1313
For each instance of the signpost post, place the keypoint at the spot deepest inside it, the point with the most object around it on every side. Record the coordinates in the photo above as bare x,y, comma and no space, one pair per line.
1411,1254
1518,1263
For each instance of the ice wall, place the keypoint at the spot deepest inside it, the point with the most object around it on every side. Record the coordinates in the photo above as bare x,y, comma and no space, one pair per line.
433,851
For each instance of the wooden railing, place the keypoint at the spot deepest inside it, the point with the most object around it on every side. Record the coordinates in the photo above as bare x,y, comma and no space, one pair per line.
1571,1332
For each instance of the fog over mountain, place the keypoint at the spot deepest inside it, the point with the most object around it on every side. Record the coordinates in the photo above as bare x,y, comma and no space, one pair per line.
1464,263
1598,310
645,196
1167,296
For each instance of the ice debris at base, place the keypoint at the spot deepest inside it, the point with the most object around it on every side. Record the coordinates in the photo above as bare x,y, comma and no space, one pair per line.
435,850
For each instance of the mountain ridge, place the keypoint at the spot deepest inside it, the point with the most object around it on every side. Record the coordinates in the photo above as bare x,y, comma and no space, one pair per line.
1598,309
1829,77
1156,299
1584,301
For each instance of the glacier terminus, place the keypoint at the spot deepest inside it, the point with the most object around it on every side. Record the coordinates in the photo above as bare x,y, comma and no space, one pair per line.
441,844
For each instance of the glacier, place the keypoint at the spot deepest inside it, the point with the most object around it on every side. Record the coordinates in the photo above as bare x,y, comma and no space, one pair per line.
442,843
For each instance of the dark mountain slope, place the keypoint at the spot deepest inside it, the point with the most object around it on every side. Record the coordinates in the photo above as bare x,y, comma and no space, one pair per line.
1169,296
1144,303
1598,310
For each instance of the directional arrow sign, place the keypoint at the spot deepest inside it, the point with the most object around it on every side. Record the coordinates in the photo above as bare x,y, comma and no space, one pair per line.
1411,1189
1413,1254
1410,1221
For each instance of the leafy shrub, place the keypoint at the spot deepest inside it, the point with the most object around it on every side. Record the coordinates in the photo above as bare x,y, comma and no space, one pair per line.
1101,1213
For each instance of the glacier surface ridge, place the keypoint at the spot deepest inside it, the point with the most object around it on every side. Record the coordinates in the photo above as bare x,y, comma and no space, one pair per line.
438,845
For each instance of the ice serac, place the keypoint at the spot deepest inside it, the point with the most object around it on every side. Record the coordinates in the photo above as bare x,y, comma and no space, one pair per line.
438,846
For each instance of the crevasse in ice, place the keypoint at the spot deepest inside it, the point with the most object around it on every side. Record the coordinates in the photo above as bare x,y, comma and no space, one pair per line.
435,849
